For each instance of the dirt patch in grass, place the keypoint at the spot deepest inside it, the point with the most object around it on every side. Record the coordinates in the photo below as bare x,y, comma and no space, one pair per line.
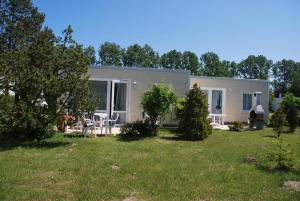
133,197
163,141
115,167
292,185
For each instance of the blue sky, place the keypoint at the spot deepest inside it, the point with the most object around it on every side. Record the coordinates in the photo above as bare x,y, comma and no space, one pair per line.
233,29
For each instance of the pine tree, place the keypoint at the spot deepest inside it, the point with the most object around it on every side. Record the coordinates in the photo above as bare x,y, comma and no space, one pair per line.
192,116
39,67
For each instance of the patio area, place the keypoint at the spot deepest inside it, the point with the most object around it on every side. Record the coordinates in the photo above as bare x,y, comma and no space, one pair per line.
96,131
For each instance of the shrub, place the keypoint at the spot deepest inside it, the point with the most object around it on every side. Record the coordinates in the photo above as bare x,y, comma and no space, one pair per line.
138,128
6,108
237,126
278,121
156,103
291,106
192,115
281,156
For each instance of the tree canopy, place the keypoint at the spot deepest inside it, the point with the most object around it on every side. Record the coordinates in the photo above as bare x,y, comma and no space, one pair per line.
284,72
111,54
255,67
151,58
171,60
38,67
190,62
91,54
211,65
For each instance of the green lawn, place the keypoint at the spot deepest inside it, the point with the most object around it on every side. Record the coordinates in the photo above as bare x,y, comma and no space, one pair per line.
66,168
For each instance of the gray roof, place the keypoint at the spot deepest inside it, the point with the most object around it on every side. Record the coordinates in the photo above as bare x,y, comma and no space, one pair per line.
125,68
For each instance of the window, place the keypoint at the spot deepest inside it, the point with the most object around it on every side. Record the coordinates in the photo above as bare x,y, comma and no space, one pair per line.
247,101
258,98
216,101
100,91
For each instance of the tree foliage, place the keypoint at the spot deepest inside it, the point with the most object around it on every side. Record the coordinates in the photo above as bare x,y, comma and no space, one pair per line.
295,84
279,121
171,60
281,155
156,102
283,72
290,105
255,67
211,65
111,54
137,56
37,66
134,56
151,57
190,62
91,54
192,115
231,68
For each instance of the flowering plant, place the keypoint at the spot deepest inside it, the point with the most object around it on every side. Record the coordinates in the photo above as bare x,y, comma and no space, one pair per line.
69,120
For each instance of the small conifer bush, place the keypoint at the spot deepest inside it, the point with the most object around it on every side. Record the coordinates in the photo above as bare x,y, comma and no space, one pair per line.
192,115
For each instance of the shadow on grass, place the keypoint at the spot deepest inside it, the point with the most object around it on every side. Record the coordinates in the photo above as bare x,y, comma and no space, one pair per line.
179,137
73,135
80,135
270,170
130,138
270,135
10,143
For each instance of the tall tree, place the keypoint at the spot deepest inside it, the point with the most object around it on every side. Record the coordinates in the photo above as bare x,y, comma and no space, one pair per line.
151,57
231,68
111,54
91,54
295,84
137,56
190,62
283,72
212,66
20,23
171,60
39,68
255,67
134,56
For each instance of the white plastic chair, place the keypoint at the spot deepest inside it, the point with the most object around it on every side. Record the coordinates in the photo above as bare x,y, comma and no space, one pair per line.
87,124
110,123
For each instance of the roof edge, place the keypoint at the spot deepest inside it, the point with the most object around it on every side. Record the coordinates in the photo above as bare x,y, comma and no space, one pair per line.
228,78
125,68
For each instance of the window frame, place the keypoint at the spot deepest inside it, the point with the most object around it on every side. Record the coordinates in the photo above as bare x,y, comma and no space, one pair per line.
247,93
210,89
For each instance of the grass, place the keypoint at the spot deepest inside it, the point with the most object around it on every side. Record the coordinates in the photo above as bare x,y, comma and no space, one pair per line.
73,168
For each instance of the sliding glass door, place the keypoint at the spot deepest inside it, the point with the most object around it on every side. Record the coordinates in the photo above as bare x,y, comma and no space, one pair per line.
119,100
112,97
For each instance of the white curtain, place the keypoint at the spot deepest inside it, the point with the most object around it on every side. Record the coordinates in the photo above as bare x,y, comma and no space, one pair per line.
120,97
216,105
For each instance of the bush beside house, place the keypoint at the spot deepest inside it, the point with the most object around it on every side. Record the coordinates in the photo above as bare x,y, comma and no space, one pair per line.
192,115
156,104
